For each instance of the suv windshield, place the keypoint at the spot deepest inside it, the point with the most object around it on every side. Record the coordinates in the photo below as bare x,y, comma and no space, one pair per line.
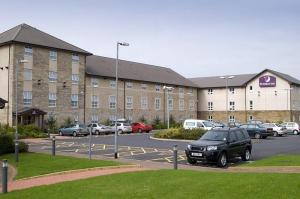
215,135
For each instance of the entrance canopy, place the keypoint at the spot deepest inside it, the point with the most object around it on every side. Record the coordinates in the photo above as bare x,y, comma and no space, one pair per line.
31,115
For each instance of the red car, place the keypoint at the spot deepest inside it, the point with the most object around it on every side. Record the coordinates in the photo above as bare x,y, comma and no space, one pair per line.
139,127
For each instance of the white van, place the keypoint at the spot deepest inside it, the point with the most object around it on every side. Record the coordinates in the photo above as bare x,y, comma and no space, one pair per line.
192,124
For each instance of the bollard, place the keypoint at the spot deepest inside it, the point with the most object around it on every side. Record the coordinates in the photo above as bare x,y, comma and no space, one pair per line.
4,176
53,145
175,157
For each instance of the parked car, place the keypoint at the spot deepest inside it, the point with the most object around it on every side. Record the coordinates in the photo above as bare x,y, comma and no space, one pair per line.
74,130
121,127
291,127
257,131
192,124
277,129
220,145
255,122
218,124
234,124
98,129
139,127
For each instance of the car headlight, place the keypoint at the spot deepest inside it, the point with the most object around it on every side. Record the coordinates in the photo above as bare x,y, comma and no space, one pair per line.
189,147
212,148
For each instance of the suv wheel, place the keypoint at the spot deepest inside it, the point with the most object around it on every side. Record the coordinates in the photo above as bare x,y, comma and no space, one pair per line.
60,133
246,156
257,136
222,160
120,131
295,132
191,161
97,132
275,134
74,134
140,131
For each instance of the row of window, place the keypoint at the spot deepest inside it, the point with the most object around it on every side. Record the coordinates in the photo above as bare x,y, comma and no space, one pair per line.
210,91
143,102
231,106
52,76
28,51
231,118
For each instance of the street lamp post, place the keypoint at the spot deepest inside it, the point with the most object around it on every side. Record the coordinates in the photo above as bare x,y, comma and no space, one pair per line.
226,81
18,61
116,127
168,88
288,90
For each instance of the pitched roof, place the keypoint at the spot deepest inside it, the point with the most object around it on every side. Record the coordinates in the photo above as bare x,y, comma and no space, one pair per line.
217,82
26,34
105,67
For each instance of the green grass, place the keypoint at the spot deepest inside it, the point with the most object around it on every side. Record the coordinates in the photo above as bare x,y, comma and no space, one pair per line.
278,160
170,184
33,164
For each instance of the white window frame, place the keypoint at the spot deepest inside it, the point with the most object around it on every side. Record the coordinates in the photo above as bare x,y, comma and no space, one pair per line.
27,98
232,105
129,84
171,104
28,51
157,87
94,118
250,117
231,90
181,92
112,101
94,82
144,102
157,103
144,86
52,76
94,101
231,118
210,118
210,106
27,74
181,104
74,100
191,105
53,55
129,102
250,88
52,99
210,91
113,84
75,78
251,104
75,58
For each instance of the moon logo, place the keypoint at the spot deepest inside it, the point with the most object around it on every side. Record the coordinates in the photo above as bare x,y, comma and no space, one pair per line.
267,79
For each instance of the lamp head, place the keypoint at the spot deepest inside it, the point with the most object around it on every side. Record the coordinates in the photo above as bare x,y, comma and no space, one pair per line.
123,44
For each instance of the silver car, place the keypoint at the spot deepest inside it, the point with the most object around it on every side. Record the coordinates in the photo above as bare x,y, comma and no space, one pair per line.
98,129
121,127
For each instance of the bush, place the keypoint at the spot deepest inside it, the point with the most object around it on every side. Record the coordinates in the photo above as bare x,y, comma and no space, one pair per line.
180,133
7,144
30,131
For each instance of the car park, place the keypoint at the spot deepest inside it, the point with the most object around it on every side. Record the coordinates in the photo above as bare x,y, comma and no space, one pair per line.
277,129
139,127
98,129
220,145
121,127
74,130
257,131
193,124
291,127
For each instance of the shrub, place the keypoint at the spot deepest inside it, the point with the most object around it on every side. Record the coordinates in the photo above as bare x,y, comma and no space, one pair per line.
68,121
7,144
30,131
51,124
180,133
143,119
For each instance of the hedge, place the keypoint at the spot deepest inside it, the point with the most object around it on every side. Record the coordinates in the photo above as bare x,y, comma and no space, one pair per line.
180,133
7,144
24,131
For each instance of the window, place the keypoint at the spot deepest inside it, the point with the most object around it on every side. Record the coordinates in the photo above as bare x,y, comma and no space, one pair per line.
240,135
95,101
28,51
232,106
75,58
94,118
75,78
157,88
181,104
113,83
129,84
191,105
52,99
74,100
210,106
275,92
94,82
231,118
250,88
129,102
53,55
258,93
232,137
112,102
250,117
170,104
144,86
144,102
191,90
181,92
251,105
231,90
157,103
27,98
27,74
210,91
52,76
210,118
76,118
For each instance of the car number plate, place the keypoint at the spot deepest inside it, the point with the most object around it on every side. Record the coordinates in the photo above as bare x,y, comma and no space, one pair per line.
197,154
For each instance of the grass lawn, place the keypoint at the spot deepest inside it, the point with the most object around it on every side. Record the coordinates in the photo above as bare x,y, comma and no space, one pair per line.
278,160
33,164
165,184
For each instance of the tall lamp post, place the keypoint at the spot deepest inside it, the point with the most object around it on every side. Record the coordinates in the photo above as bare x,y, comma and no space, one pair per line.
288,90
168,88
18,61
116,127
226,80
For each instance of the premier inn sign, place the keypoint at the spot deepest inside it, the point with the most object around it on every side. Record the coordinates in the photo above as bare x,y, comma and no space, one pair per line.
267,81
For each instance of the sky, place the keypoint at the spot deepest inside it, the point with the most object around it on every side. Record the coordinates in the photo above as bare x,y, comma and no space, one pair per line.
195,38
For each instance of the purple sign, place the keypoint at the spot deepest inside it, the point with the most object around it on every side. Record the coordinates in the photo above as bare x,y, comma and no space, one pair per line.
267,81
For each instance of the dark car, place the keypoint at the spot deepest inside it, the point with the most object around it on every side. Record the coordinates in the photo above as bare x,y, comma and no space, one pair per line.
257,131
220,145
139,127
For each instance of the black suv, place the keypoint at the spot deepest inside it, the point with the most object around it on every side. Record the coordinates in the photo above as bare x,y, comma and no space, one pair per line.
220,145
